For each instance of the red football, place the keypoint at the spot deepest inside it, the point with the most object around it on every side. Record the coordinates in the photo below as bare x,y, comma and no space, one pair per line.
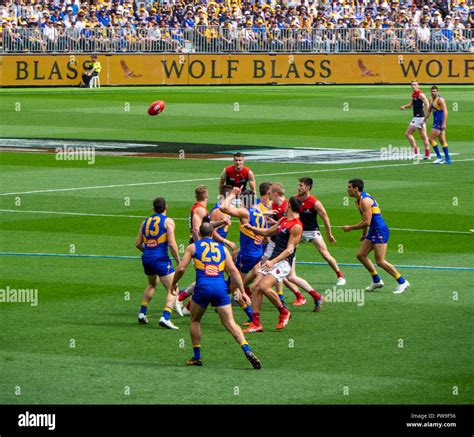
156,107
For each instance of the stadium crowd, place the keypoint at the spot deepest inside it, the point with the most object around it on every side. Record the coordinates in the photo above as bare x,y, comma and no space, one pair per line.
198,25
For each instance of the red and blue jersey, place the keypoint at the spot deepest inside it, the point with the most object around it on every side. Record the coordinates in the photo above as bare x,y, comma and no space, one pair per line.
417,104
280,212
283,237
237,178
308,215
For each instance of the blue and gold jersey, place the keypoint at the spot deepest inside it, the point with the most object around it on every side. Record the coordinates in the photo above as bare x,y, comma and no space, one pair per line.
263,207
209,262
251,244
155,238
222,230
438,113
377,221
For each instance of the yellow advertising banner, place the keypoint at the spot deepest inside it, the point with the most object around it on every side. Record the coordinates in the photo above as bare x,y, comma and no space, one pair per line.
234,69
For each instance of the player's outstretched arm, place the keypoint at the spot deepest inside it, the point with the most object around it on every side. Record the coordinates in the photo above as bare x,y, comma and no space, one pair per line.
409,105
319,208
227,207
188,256
139,239
170,227
266,232
295,236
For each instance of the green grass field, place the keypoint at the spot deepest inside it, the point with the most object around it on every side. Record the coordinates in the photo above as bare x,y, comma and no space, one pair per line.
347,354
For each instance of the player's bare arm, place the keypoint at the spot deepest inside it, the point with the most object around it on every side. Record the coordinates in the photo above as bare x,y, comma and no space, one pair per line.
188,256
222,180
198,217
409,105
444,108
170,227
217,220
227,207
252,182
319,208
139,239
295,237
425,101
221,239
234,274
268,232
366,207
428,111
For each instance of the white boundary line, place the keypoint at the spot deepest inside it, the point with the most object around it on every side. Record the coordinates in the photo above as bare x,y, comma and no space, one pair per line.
138,184
440,231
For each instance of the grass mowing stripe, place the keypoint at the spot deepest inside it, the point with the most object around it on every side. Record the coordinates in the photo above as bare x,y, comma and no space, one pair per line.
313,263
215,179
437,231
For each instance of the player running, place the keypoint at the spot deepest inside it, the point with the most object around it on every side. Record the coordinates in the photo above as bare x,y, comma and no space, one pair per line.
156,234
211,259
238,175
310,209
288,235
375,239
418,103
440,117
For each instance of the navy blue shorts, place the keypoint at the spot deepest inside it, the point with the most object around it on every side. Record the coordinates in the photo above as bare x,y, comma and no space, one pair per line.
216,296
438,126
378,236
246,263
157,266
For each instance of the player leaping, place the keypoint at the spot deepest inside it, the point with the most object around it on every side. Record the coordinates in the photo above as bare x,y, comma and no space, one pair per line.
375,239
